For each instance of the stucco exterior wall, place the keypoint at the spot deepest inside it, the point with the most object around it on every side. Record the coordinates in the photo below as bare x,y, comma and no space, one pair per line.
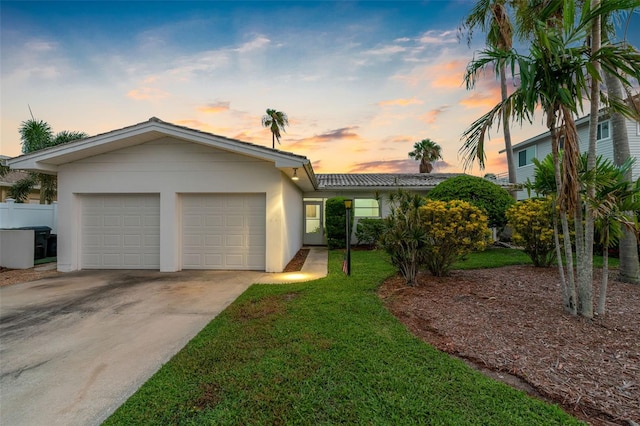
171,167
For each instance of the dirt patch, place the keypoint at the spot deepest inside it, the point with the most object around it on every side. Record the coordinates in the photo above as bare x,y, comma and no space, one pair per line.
14,276
296,263
510,322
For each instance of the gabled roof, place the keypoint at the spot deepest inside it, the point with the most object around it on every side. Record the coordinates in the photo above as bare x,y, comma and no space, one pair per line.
382,180
48,160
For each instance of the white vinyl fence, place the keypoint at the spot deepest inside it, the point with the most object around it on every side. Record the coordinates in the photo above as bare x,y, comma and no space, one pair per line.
17,215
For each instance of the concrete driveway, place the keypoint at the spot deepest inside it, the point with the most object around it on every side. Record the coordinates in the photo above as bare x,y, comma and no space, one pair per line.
73,348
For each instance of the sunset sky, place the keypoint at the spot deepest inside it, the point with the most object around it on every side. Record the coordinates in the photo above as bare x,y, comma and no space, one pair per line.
360,81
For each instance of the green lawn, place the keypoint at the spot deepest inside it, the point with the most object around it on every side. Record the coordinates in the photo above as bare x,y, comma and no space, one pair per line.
324,352
497,257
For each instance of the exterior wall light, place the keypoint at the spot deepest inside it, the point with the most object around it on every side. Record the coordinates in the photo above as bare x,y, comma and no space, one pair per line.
295,174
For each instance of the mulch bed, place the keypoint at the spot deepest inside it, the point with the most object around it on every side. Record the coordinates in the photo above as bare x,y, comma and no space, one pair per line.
510,322
298,260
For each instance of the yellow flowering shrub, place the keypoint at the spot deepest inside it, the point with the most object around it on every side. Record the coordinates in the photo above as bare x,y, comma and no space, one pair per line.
453,229
532,224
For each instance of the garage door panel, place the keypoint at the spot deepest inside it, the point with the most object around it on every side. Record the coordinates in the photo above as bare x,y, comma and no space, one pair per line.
121,231
228,225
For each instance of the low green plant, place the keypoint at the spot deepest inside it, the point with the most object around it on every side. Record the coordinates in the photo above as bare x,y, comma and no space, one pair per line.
368,231
453,229
404,237
532,224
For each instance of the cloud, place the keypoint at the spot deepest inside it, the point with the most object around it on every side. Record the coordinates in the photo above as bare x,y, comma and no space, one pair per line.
147,93
385,50
257,43
400,139
400,102
215,108
431,116
481,99
344,133
442,75
385,166
448,74
40,46
438,37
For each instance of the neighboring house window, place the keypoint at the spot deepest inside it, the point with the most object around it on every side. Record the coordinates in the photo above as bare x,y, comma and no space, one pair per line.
603,130
366,207
638,129
526,156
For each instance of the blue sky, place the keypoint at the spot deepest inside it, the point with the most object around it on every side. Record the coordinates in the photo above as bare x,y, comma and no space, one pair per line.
360,81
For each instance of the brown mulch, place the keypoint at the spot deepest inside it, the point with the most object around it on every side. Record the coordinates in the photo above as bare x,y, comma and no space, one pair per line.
14,276
510,322
298,260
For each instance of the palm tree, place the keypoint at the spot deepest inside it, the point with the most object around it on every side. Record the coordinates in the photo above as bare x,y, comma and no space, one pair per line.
492,16
554,75
275,121
36,135
427,152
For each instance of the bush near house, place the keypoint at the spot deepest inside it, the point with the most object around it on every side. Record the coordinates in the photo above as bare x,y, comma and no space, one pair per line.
453,229
368,231
532,224
335,222
482,193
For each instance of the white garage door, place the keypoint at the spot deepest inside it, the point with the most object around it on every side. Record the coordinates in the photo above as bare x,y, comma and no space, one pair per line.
121,231
223,231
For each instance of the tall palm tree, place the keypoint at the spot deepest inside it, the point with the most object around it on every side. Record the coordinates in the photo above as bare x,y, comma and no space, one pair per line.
275,121
629,267
427,152
36,135
554,75
492,17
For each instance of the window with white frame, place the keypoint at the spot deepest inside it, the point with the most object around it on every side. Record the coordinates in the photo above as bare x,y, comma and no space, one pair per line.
638,129
603,130
526,156
366,207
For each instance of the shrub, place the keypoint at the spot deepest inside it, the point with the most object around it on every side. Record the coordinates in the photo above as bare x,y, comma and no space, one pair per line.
480,192
335,222
532,224
453,229
404,238
369,231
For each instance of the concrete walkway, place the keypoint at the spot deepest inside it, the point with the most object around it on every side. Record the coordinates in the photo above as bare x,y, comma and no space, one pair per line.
315,266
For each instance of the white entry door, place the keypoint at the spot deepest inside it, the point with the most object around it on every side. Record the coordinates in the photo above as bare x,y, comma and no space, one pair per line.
120,231
224,231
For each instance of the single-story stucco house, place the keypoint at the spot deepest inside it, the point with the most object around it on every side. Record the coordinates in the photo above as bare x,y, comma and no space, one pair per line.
156,195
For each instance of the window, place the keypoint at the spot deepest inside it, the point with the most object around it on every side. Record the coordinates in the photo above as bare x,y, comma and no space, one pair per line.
603,130
363,207
638,129
526,156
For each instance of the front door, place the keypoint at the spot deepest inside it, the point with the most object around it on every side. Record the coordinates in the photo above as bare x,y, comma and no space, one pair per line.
313,223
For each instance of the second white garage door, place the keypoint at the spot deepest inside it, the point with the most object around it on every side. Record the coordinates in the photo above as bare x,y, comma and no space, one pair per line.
223,231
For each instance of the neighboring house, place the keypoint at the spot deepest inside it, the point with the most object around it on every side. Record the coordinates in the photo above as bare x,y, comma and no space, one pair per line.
160,196
540,146
7,181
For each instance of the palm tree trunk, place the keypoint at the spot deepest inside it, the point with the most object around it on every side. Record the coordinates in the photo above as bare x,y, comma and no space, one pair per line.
605,273
629,270
507,131
551,124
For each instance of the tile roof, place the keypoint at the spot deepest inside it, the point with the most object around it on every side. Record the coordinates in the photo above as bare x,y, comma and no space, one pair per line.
12,177
377,180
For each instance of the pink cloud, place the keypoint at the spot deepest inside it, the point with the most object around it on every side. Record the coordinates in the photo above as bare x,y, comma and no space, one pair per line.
147,93
215,108
431,116
400,102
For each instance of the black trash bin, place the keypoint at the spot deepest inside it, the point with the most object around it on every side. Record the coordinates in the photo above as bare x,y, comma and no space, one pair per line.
41,235
52,246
